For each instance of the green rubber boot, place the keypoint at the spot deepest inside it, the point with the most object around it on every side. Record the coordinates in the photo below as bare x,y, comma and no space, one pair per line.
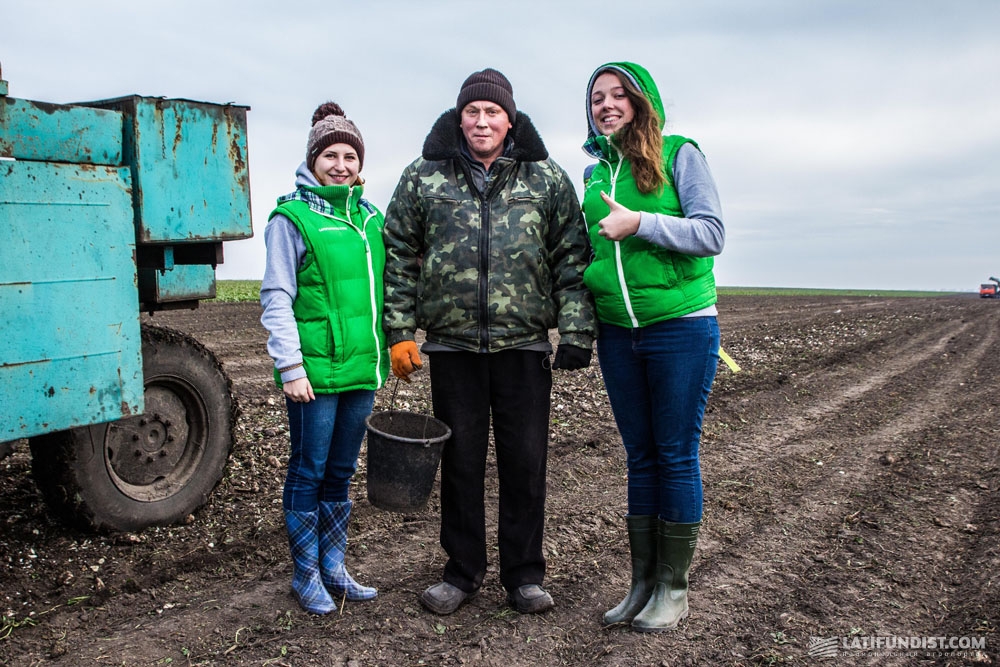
668,604
642,535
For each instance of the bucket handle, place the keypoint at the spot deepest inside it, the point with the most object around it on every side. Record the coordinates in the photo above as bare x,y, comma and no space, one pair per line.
392,406
392,399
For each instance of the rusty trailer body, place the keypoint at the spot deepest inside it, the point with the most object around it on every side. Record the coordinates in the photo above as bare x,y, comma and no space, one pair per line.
108,209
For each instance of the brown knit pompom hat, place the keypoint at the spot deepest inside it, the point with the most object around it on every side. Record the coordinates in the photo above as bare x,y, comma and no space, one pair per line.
489,85
331,126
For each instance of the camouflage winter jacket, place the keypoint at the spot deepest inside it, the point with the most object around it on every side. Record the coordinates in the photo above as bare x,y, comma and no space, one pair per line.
486,271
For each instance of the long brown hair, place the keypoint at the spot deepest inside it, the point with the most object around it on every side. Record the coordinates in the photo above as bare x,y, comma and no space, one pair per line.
642,141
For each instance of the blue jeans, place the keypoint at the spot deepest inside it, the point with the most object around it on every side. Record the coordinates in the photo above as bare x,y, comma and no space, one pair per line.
326,436
658,380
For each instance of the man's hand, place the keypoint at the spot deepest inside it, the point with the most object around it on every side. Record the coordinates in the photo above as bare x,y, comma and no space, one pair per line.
405,359
299,391
571,358
620,223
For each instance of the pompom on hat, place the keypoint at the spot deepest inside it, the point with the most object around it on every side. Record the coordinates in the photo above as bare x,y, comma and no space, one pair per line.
491,86
330,125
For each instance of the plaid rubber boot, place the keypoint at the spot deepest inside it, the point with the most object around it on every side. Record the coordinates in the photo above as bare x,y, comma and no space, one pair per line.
332,546
306,582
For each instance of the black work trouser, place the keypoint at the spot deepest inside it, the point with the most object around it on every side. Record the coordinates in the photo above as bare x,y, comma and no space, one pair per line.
515,387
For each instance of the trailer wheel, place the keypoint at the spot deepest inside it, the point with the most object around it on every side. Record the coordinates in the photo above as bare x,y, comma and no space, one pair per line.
151,469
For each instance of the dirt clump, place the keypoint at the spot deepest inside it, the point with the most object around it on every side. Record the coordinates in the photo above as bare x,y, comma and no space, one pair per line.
851,494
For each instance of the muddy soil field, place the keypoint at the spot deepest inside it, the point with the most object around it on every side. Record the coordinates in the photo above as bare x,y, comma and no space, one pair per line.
851,477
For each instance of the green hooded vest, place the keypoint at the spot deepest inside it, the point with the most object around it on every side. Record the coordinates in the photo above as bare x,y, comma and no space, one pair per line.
637,283
338,307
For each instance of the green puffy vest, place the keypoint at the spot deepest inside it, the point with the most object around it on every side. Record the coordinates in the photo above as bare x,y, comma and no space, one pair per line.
637,283
338,307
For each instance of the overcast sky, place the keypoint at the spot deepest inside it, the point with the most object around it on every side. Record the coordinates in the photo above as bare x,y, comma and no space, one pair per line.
855,143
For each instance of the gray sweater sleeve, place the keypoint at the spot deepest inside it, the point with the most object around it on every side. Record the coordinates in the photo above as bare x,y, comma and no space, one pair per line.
700,233
285,250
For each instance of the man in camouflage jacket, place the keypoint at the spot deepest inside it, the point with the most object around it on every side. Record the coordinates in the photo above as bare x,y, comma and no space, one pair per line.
485,251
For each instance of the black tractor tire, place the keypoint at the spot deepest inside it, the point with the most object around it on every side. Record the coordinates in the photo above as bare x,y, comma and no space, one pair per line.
152,469
7,448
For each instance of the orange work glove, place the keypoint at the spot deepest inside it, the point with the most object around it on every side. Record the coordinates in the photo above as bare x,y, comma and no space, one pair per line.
405,359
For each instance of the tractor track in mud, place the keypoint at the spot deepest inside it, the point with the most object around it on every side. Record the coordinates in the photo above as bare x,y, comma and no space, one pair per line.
851,490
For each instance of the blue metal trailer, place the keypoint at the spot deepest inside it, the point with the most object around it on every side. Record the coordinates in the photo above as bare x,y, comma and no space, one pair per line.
108,209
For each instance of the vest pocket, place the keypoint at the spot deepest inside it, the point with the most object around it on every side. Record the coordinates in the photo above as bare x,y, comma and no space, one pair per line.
336,338
315,341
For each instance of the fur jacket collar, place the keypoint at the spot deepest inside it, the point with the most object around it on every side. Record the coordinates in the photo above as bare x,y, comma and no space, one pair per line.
445,139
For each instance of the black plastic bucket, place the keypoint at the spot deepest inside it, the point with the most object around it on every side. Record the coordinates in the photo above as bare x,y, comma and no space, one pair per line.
404,449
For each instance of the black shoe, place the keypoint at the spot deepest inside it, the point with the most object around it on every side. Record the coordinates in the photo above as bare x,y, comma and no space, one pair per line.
530,599
443,598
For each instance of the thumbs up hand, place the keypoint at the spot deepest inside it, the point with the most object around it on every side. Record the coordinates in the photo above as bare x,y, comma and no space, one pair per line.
620,223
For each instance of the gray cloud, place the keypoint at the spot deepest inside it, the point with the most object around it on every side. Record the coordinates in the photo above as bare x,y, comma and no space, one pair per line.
854,143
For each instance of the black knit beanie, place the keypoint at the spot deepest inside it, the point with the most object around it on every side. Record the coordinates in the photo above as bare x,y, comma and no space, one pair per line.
331,126
491,86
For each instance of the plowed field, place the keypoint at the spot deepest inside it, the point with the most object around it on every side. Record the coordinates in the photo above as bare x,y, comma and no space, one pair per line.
851,477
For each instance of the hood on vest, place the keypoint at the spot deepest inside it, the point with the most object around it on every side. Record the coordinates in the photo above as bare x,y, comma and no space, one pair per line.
640,78
445,139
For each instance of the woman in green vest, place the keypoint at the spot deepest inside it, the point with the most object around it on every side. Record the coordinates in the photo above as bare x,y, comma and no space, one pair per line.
322,299
655,223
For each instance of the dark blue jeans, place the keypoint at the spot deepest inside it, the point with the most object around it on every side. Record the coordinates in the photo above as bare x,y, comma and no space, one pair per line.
326,437
658,380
